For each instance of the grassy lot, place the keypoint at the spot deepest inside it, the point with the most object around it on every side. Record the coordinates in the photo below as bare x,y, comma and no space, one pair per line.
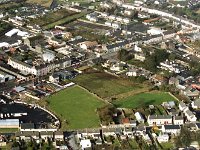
167,145
51,17
144,99
75,107
64,20
106,85
45,3
8,130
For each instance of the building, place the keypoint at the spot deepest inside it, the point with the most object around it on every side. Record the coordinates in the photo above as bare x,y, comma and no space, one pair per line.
139,117
38,69
163,138
171,129
159,119
58,135
196,104
85,144
178,120
27,126
4,77
45,135
9,123
190,116
27,135
88,44
140,56
182,106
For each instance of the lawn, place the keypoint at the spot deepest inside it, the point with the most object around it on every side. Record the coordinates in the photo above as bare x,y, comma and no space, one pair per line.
76,108
8,130
106,85
144,99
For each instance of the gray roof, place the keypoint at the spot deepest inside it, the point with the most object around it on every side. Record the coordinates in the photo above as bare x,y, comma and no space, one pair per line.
160,117
172,127
178,118
27,126
27,133
197,102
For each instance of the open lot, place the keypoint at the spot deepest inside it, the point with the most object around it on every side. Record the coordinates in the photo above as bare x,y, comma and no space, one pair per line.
45,3
76,108
51,17
144,99
106,85
8,130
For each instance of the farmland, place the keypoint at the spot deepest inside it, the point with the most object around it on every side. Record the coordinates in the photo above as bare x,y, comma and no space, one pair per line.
75,107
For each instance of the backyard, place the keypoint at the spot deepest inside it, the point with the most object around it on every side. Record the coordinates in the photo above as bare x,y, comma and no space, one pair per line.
142,100
75,107
108,86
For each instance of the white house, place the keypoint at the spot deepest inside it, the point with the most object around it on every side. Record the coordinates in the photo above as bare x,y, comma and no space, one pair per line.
182,106
139,117
163,138
116,25
171,129
196,104
178,120
85,144
190,116
159,119
4,77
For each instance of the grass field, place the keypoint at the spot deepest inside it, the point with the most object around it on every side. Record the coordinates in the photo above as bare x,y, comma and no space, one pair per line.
8,130
77,107
144,99
106,85
45,3
52,17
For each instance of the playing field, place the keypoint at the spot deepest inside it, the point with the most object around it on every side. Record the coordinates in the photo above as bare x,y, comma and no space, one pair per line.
76,108
144,100
106,85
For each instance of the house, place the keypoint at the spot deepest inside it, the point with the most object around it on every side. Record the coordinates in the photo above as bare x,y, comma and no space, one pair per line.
163,138
45,135
182,106
178,120
139,117
126,122
5,77
197,126
139,56
171,129
58,135
27,135
158,79
196,104
86,143
132,72
191,92
133,123
190,116
88,44
116,25
159,119
128,131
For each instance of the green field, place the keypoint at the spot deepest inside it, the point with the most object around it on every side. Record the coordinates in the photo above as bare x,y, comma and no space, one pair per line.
52,17
8,130
77,107
106,85
144,99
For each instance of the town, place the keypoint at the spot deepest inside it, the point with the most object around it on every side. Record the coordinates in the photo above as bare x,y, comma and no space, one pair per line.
100,74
